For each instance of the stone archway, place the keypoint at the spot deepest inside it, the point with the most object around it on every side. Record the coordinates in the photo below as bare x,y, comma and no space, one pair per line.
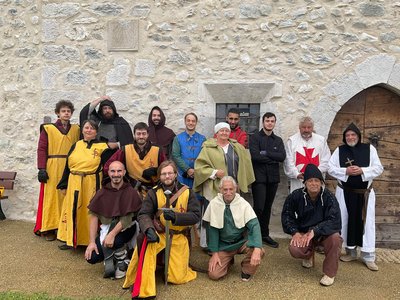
375,111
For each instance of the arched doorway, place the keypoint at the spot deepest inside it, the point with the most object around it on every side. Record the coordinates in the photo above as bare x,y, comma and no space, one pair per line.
376,111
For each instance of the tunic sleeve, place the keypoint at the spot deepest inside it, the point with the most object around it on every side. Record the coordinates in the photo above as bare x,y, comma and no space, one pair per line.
375,167
254,234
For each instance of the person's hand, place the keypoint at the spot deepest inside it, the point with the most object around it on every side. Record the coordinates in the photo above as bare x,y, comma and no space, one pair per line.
214,261
354,171
190,173
148,173
296,239
169,215
308,237
109,240
255,259
43,176
300,176
220,174
90,248
113,145
152,236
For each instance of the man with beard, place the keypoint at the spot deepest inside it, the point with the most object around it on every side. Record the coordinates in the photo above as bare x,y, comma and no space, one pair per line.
311,215
303,148
169,206
141,159
113,129
115,207
159,134
267,151
186,148
355,165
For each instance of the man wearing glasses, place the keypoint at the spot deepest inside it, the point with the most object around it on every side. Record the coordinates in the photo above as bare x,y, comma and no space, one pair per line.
168,207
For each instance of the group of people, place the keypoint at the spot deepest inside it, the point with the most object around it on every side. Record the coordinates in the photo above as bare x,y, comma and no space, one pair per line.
133,198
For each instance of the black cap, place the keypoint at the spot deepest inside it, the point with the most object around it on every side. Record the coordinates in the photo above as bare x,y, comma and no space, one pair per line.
312,171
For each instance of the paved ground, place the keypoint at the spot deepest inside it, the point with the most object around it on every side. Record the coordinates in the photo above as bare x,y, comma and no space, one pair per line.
31,264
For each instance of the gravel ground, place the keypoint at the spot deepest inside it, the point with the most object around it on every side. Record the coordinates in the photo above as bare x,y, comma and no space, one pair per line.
30,264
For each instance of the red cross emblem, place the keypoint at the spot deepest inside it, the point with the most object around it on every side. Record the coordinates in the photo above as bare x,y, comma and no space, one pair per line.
307,158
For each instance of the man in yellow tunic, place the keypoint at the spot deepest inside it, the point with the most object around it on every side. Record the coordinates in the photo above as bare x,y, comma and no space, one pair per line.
184,211
141,159
81,179
54,143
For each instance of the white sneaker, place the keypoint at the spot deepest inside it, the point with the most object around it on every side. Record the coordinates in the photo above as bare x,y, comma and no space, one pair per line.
326,280
119,274
371,265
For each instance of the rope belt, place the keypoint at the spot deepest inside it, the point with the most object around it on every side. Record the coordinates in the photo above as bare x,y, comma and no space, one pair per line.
83,174
57,156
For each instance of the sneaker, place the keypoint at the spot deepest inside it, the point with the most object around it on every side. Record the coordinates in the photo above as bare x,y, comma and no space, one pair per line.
245,277
65,247
119,274
326,280
270,242
307,263
347,258
371,265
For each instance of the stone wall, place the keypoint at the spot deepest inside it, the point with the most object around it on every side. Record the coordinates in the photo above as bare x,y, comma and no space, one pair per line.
301,55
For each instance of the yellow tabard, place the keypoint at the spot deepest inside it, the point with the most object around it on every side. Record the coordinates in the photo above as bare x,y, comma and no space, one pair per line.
58,145
83,163
180,207
136,166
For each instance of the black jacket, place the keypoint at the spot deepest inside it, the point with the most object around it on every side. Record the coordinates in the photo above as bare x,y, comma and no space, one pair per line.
300,214
266,154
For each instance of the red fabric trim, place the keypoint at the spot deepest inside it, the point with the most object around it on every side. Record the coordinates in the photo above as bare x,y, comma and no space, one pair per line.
138,279
39,215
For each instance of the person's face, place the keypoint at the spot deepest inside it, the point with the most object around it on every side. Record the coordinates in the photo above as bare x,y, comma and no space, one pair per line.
88,132
108,112
141,136
313,186
269,123
223,134
351,138
228,191
64,114
167,176
116,172
306,130
233,120
156,117
190,123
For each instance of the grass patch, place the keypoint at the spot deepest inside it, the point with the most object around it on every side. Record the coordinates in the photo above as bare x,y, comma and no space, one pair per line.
42,296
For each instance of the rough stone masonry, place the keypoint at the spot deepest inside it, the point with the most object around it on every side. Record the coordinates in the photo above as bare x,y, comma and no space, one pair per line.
294,57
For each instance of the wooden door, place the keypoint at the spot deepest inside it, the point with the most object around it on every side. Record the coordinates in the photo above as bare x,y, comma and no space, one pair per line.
376,112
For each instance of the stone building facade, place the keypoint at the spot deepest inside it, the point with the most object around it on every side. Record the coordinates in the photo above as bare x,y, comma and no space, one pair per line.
293,57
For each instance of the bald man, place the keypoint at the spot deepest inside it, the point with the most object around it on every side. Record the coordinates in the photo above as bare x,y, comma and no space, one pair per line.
115,207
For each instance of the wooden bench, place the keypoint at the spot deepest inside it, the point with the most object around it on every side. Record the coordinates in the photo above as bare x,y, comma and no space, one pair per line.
7,180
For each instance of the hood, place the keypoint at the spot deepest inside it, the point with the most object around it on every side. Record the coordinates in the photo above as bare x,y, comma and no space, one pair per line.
107,103
162,121
354,128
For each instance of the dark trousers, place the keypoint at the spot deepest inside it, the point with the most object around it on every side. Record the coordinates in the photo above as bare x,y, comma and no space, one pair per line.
120,240
263,197
332,245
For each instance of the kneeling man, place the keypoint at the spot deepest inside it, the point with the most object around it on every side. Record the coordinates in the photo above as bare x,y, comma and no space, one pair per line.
233,228
115,206
167,213
312,216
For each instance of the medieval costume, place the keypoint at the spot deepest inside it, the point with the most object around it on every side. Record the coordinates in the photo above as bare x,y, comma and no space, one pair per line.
116,129
81,179
301,152
54,143
233,229
355,193
161,135
141,165
185,150
111,206
141,271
